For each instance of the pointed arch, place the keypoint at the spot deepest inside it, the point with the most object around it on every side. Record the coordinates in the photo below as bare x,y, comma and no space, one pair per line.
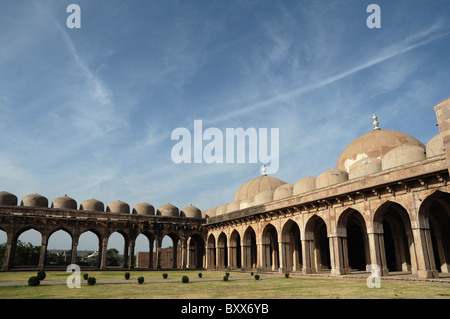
235,250
250,256
269,249
222,251
317,249
211,252
291,246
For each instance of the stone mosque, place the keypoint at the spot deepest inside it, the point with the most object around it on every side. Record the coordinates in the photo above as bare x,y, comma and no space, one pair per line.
386,204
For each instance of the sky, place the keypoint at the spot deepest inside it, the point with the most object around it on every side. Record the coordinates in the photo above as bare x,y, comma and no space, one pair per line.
89,112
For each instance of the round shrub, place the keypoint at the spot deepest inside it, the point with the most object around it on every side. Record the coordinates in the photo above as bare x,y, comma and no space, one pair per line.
91,281
165,275
127,275
256,277
227,274
185,279
286,275
140,280
41,275
251,274
225,278
34,281
200,275
85,276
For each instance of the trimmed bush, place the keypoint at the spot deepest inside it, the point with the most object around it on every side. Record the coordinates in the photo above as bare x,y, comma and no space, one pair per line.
200,275
140,280
286,275
41,275
225,278
227,274
256,277
127,275
91,281
251,274
34,281
185,279
85,276
165,275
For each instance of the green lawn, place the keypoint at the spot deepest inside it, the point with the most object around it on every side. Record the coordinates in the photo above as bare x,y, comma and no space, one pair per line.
268,287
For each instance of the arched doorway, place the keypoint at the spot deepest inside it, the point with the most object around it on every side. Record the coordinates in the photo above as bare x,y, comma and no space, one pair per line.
26,250
211,252
222,251
395,225
270,248
235,250
292,256
317,245
196,248
250,251
352,227
59,249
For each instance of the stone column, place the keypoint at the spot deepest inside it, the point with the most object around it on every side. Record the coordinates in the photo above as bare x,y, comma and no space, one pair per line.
377,252
9,253
426,267
282,257
158,252
150,249
131,256
43,251
183,253
74,248
125,253
336,255
103,253
308,256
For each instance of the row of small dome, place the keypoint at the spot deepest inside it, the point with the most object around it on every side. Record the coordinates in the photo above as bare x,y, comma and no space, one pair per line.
371,153
65,202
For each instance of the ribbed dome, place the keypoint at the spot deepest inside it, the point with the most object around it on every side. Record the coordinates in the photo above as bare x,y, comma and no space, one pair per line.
34,200
168,210
64,202
8,199
374,144
191,212
118,207
92,204
144,209
257,185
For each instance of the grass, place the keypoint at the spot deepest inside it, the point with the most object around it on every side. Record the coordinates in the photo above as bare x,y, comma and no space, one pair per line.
268,287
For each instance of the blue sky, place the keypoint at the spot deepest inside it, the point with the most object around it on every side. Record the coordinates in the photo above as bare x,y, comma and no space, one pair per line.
89,112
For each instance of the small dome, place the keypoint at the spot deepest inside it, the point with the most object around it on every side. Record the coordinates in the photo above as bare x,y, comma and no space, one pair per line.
374,144
34,200
330,177
263,197
365,166
256,185
168,210
304,185
93,205
222,209
283,191
8,199
144,209
403,155
64,202
234,206
209,212
435,146
245,203
118,207
191,212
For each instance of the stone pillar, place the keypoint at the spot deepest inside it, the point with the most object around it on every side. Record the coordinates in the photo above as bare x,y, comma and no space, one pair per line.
158,252
43,251
131,256
150,257
175,255
426,267
125,253
103,253
9,253
443,118
282,257
336,255
183,253
377,252
308,256
74,248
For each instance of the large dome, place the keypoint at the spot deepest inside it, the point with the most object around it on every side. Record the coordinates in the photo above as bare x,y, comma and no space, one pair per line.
257,185
374,144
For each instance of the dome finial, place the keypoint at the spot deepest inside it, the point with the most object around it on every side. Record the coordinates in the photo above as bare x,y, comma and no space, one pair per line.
263,170
375,122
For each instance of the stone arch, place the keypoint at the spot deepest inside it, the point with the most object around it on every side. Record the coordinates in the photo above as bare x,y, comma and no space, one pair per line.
196,250
211,252
172,258
269,248
60,258
37,253
113,258
144,259
351,227
249,247
235,250
222,251
317,247
397,254
434,217
291,246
